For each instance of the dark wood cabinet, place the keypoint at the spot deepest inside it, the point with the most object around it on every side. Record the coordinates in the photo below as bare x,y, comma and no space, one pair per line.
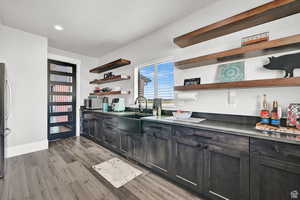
274,179
188,158
125,143
111,138
92,128
226,173
138,148
275,171
158,146
217,165
111,135
85,127
157,152
99,129
88,124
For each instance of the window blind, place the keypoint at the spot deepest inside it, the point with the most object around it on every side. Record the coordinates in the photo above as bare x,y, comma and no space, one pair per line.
157,81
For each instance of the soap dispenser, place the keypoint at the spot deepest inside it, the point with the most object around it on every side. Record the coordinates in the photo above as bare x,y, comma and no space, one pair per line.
157,107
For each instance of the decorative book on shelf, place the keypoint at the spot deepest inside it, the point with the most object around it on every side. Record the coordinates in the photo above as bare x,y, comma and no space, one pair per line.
110,66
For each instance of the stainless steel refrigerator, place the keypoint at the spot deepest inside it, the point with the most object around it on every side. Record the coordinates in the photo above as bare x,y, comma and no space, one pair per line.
4,104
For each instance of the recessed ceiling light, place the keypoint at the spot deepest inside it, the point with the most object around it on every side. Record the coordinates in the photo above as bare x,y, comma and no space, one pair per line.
58,27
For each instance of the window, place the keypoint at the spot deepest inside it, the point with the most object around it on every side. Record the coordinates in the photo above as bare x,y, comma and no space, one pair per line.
157,81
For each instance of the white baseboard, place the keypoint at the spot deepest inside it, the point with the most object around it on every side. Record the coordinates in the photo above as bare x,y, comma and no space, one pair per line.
26,148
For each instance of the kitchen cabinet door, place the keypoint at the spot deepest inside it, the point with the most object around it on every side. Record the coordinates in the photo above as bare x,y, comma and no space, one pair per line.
158,153
111,138
85,127
188,158
189,163
226,173
99,133
275,170
273,179
111,133
158,139
125,143
91,127
138,148
88,123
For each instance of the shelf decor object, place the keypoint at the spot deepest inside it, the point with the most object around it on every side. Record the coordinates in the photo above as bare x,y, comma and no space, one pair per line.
231,72
287,63
253,39
110,93
264,48
109,80
293,115
265,13
112,65
277,82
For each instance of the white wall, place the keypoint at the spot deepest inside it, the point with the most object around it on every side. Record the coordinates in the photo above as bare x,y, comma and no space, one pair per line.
159,45
25,56
86,63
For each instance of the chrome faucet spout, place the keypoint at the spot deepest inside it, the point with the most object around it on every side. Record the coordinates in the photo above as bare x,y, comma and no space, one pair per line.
138,100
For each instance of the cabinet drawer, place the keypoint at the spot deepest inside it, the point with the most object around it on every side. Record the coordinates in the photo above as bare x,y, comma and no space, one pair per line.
157,130
231,141
210,137
110,122
284,151
87,116
187,137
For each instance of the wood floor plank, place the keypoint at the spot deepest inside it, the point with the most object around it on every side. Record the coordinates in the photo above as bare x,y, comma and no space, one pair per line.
64,172
90,182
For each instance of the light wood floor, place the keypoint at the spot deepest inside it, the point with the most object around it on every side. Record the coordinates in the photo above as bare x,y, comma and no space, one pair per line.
64,172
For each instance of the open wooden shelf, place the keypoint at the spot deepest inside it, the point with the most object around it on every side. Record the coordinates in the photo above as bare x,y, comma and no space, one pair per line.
112,65
264,48
102,81
277,82
110,93
265,13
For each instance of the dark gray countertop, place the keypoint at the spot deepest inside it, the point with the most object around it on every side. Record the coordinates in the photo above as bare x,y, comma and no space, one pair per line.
229,128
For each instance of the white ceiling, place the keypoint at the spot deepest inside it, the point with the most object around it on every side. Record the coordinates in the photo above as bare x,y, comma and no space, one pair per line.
94,27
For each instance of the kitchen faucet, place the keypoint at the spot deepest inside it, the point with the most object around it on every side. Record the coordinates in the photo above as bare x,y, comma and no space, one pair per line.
138,100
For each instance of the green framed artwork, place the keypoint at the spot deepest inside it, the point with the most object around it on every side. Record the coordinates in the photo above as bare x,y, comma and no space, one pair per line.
231,72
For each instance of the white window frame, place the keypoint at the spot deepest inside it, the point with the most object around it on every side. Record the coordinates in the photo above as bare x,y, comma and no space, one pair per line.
154,62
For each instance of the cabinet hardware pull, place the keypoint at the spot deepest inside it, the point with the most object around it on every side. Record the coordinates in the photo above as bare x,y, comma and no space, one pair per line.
218,195
155,127
202,147
202,136
276,148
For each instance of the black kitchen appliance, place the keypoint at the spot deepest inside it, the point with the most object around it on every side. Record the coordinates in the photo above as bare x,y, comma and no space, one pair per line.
4,93
93,103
